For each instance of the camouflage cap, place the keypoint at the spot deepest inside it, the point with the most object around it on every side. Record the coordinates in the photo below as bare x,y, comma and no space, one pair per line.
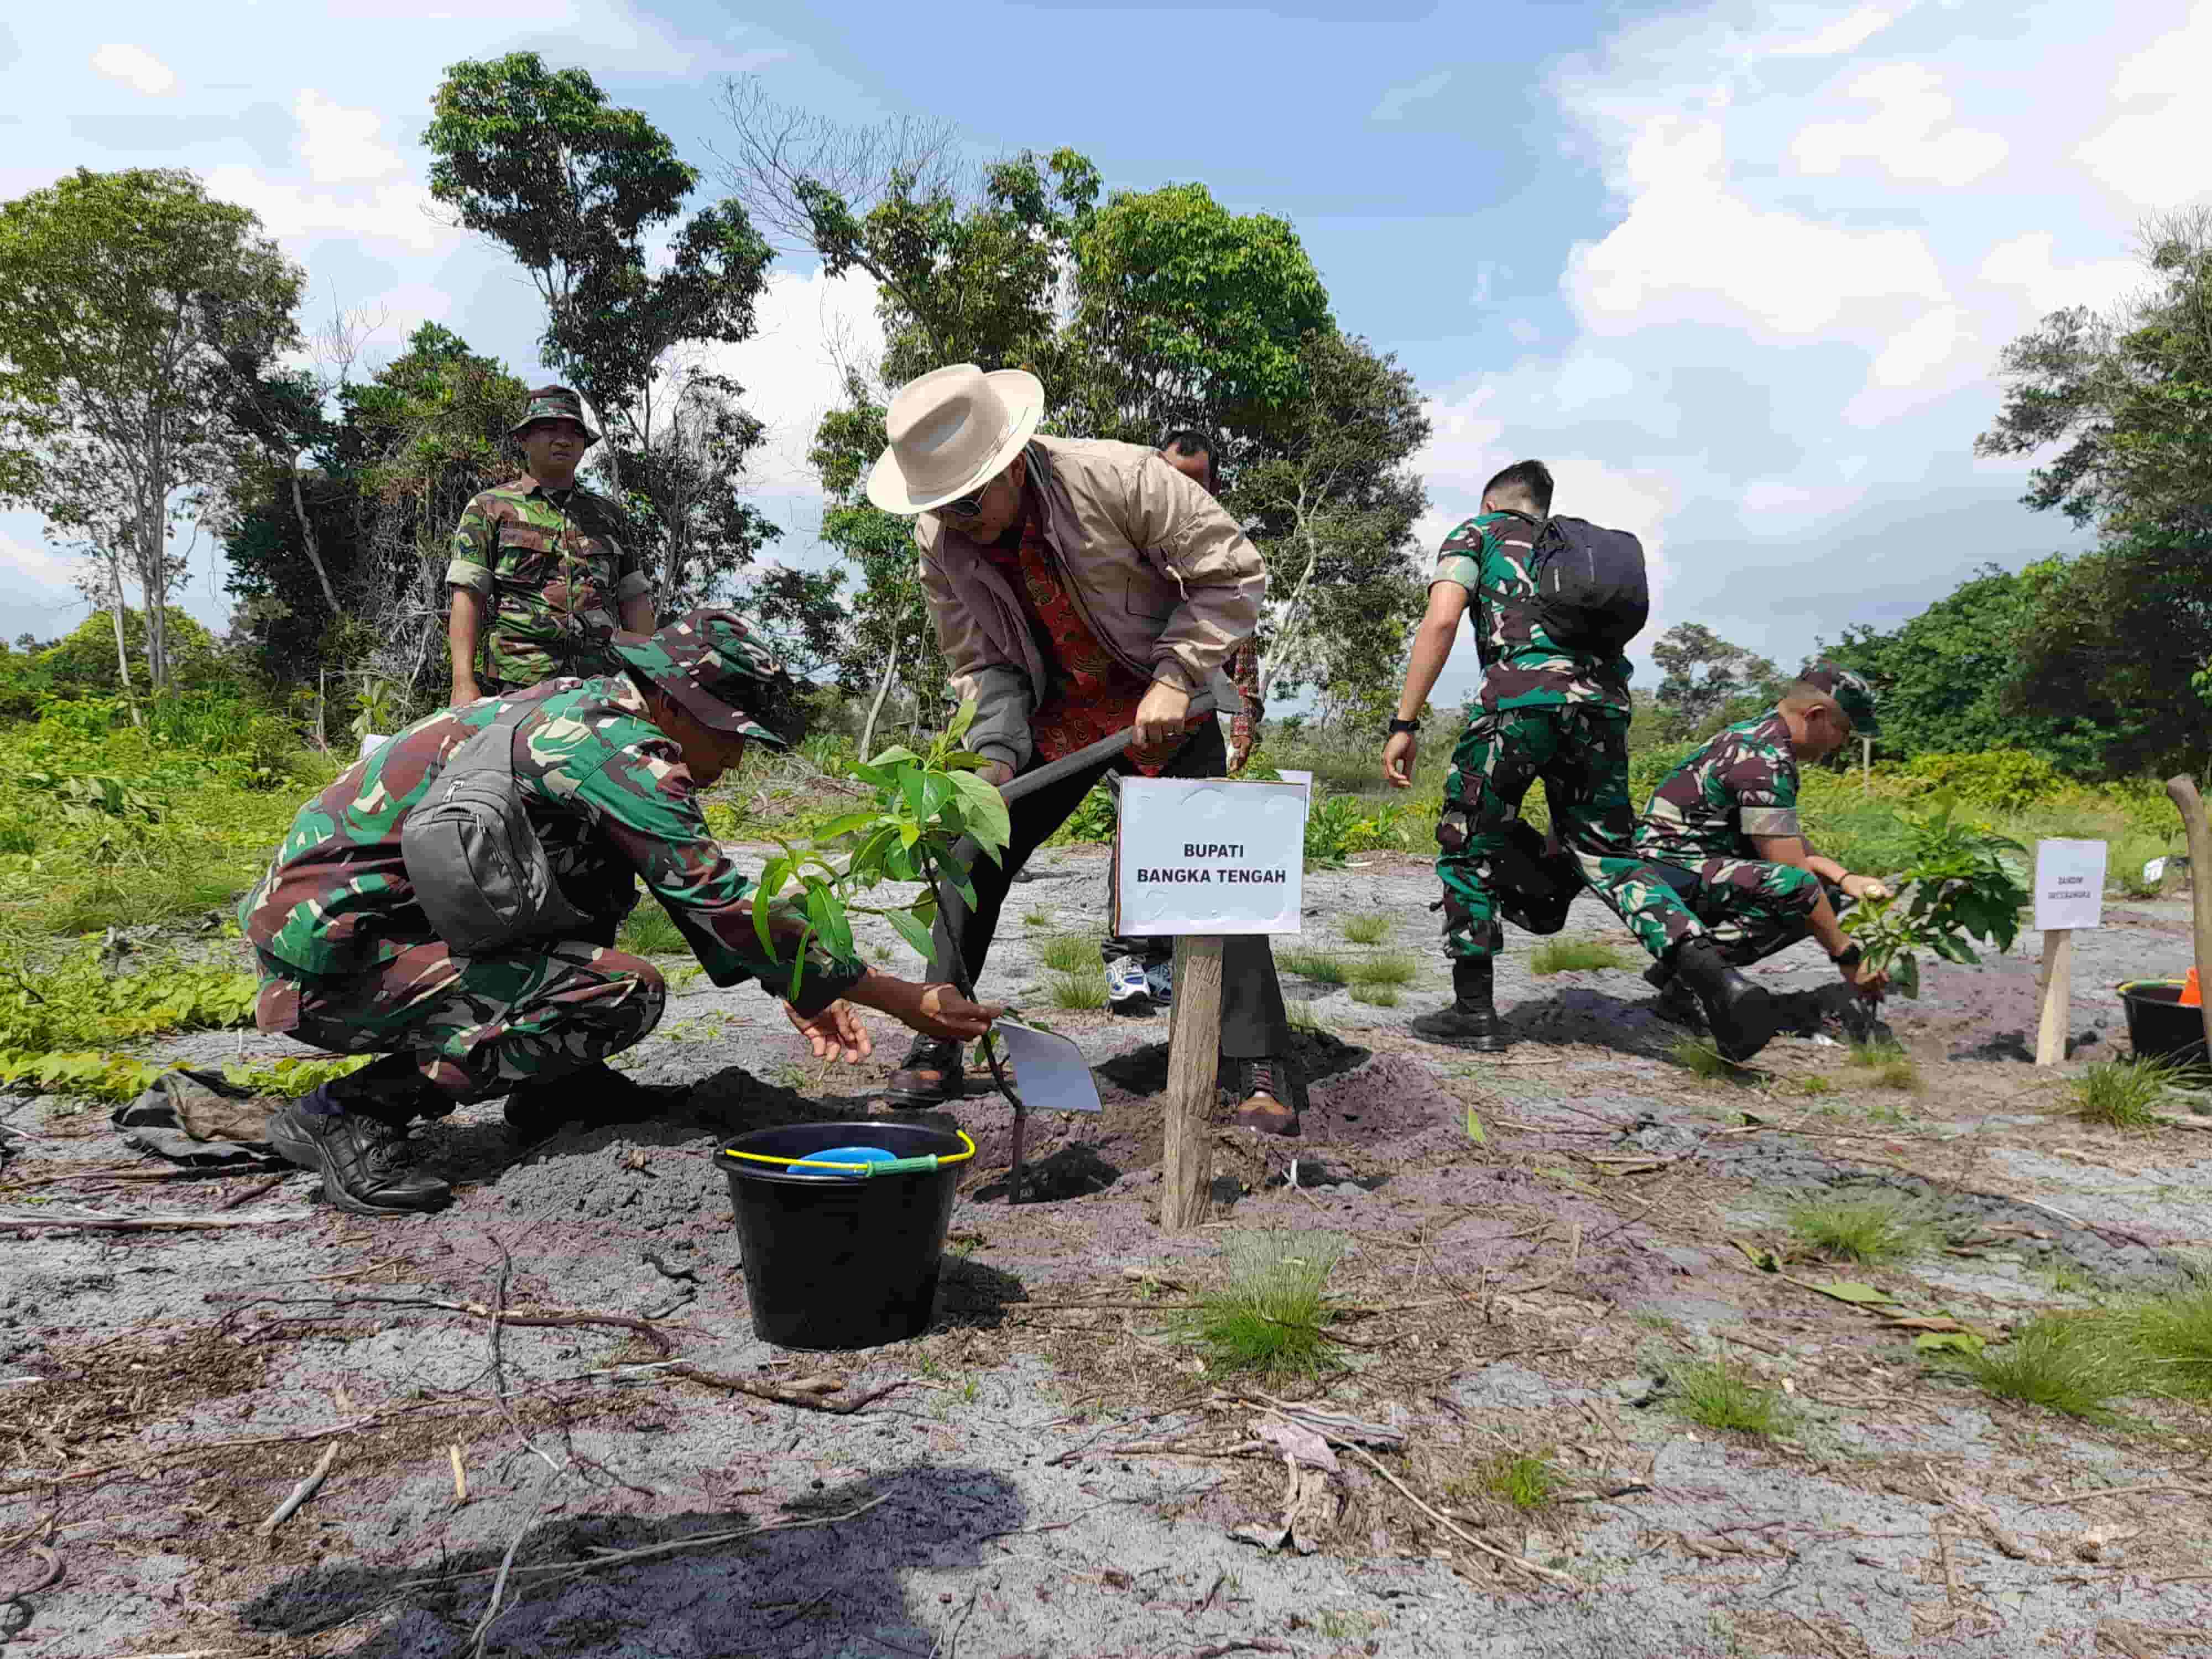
709,662
1851,692
555,403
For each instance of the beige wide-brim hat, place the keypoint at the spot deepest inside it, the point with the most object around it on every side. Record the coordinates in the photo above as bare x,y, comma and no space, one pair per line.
952,430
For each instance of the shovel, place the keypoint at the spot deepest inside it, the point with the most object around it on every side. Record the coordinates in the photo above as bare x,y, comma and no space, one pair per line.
1048,1066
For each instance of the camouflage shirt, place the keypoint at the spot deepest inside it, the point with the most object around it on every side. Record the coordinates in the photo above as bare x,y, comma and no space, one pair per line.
607,793
1741,784
553,570
1488,555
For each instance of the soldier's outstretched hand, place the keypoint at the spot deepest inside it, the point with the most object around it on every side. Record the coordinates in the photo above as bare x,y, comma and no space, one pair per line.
835,1033
1398,761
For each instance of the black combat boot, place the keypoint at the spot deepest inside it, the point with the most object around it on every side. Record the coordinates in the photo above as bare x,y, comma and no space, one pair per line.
1471,1022
359,1148
1738,1013
1676,1005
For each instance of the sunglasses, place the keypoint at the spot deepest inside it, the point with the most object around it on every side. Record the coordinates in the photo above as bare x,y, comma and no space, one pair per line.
969,506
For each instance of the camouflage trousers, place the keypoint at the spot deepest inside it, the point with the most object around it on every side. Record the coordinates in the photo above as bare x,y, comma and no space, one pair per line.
474,1026
1751,909
1581,753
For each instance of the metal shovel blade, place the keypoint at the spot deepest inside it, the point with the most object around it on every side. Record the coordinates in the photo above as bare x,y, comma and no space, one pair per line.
1050,1070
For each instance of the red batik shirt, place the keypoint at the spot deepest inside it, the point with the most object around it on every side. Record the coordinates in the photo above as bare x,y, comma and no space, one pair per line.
1093,694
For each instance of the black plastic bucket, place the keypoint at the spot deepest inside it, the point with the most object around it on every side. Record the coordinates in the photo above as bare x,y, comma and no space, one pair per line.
836,1260
2158,1024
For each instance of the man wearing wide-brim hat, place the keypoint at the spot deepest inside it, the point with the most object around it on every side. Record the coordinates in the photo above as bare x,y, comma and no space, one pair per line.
544,571
607,771
1079,588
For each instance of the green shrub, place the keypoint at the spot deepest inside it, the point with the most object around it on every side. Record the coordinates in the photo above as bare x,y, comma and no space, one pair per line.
1337,826
1714,1394
1268,1314
1870,1227
1566,956
1069,953
1380,996
1091,821
2008,779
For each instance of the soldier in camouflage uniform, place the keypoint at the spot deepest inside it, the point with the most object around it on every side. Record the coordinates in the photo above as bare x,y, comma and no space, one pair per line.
608,770
550,560
1720,863
1546,713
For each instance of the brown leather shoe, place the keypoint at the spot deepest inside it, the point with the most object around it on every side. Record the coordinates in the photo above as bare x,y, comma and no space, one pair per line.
931,1075
1259,1096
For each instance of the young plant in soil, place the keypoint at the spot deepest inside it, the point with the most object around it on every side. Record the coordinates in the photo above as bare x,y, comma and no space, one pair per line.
648,931
925,803
1267,1315
1869,1227
1957,887
1887,1066
2122,1094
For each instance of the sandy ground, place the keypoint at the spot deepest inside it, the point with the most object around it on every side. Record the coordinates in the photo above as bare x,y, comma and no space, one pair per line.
1049,1472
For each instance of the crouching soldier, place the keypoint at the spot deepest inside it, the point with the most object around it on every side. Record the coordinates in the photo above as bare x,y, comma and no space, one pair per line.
1724,875
436,906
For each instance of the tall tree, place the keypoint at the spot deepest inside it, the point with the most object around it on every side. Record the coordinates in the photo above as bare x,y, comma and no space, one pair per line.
580,192
1336,499
2126,396
1704,677
123,296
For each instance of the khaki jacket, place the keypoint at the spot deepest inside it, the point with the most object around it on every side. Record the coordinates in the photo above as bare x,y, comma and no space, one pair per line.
1161,575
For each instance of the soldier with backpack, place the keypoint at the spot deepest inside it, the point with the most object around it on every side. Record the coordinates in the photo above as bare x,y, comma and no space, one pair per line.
1557,601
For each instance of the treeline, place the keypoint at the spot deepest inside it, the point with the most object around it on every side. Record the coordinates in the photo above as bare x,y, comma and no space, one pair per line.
157,369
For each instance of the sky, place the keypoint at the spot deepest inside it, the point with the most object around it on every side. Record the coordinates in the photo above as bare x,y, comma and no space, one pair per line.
1739,272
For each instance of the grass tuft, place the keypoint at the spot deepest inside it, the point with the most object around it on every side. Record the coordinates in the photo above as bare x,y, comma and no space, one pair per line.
1371,929
1037,919
1081,987
648,931
1069,953
1572,956
2067,1365
2122,1094
1380,996
2173,1334
1322,967
1300,1017
1391,968
1714,1394
1811,1084
1267,1315
1527,1483
1864,1226
1887,1066
1700,1059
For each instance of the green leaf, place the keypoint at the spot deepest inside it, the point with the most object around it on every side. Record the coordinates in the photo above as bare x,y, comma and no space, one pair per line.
913,931
963,718
849,824
773,875
1850,1290
983,810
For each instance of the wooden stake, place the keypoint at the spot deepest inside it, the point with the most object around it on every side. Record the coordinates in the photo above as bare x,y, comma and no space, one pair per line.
1866,765
2183,792
1193,1057
2056,986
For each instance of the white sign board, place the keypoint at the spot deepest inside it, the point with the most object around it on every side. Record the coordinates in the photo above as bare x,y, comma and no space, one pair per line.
2069,884
1209,856
1304,780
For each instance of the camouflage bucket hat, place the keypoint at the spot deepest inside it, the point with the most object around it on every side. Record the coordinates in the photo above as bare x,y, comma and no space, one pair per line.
709,662
1853,695
555,403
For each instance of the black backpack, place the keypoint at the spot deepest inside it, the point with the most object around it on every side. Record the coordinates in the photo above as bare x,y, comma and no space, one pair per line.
1591,595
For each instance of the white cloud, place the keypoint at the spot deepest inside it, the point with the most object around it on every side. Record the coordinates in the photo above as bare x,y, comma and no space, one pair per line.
51,575
399,213
1847,33
136,68
1393,104
340,145
2153,153
2029,265
1909,136
1691,252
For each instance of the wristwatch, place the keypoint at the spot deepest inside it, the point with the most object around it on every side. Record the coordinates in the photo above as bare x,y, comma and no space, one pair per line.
1848,957
1396,726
